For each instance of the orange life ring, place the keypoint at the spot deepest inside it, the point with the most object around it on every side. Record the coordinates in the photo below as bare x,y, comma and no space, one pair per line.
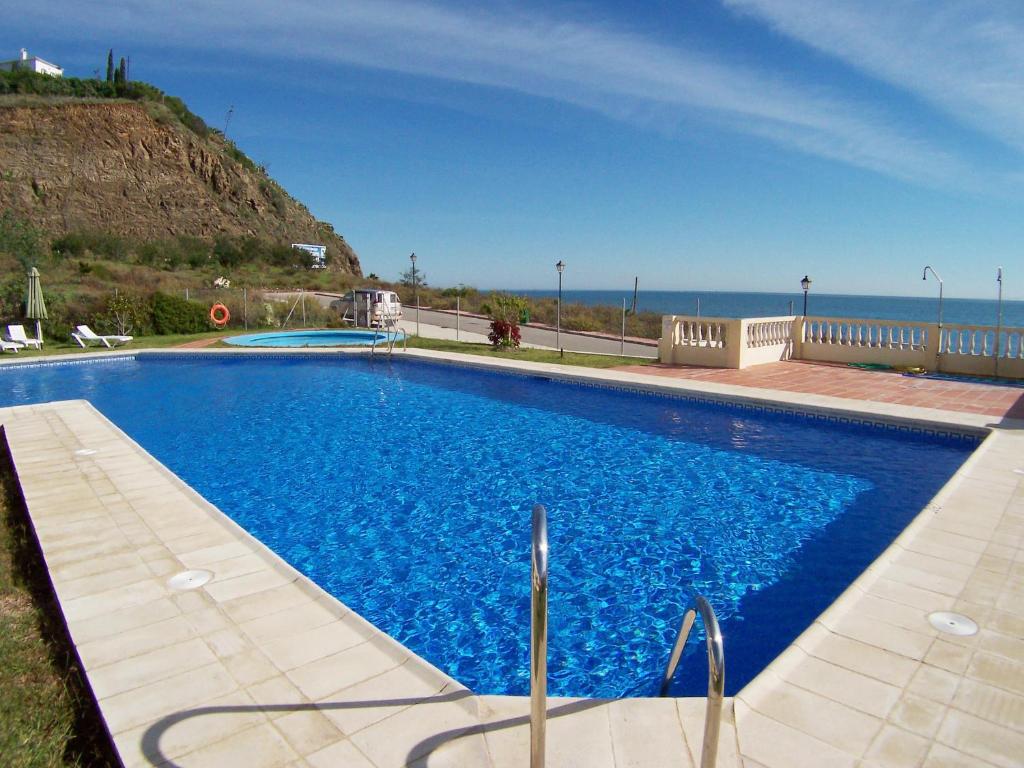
219,315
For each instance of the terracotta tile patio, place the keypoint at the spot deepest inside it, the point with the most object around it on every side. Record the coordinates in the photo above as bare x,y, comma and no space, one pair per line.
858,384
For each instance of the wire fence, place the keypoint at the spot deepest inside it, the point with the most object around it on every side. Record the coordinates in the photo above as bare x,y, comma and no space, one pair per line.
251,308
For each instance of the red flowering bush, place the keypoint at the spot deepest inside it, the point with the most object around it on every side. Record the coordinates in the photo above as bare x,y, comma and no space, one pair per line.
504,334
505,311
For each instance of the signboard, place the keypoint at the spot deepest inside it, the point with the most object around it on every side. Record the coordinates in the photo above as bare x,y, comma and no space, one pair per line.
318,252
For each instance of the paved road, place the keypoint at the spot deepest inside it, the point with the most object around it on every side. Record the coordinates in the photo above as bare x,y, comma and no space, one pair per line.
538,337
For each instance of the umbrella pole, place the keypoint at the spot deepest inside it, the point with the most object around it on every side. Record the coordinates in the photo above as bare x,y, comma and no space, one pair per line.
39,332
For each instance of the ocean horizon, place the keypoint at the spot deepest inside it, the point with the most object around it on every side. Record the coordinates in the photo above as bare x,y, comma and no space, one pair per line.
750,304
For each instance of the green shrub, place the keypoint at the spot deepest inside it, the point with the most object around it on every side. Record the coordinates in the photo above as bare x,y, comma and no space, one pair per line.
26,82
227,252
71,244
20,239
172,314
126,314
103,244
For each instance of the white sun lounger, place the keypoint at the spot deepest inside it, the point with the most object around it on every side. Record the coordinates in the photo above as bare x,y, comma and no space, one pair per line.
86,336
17,334
10,346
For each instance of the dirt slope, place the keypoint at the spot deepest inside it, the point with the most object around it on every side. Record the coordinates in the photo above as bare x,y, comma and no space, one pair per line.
131,168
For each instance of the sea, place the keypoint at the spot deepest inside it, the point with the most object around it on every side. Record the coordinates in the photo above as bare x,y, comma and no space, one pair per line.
736,304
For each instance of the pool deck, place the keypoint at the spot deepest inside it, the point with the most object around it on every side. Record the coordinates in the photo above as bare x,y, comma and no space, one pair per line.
843,381
259,667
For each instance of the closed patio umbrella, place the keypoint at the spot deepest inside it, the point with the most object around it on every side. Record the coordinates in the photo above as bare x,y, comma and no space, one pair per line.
35,307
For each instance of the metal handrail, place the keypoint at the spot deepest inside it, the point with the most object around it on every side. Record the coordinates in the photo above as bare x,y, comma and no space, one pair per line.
392,321
716,674
389,322
538,637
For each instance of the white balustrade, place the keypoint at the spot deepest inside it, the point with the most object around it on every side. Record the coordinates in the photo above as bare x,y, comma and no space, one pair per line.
696,332
738,343
768,333
873,334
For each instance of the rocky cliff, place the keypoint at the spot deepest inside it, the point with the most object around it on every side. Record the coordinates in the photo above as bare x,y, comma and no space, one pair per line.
132,169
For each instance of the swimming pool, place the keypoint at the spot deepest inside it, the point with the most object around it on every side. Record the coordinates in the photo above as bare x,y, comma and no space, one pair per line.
325,338
405,490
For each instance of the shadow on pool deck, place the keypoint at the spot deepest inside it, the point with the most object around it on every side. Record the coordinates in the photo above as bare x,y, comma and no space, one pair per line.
417,754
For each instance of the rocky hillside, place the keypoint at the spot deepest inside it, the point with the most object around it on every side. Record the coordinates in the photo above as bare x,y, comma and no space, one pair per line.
133,169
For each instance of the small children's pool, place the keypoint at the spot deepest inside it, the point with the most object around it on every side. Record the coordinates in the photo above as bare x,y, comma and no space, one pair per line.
331,338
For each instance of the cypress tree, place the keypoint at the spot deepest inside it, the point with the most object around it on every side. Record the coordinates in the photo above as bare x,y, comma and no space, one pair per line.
122,71
110,65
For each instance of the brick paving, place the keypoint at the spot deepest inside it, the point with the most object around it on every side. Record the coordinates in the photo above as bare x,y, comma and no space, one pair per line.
857,384
198,344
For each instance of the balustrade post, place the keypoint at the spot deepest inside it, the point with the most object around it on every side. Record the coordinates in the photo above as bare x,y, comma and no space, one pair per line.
797,337
668,339
933,360
735,341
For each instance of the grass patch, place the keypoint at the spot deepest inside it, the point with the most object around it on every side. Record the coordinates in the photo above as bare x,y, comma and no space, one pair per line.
441,345
140,342
529,355
47,717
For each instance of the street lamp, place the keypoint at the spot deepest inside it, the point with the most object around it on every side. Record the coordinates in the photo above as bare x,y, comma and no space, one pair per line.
560,266
806,285
415,291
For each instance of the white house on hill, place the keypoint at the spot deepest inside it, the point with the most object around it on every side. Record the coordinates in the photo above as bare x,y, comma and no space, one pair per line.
33,64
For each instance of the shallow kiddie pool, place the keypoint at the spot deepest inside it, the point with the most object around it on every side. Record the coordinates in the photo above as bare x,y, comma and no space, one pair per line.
329,338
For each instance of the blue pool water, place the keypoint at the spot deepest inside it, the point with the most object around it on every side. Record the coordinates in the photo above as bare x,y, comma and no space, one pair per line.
405,489
327,338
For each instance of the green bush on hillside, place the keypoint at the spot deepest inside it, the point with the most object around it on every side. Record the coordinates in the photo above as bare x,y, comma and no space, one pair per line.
20,239
103,244
172,314
31,83
173,253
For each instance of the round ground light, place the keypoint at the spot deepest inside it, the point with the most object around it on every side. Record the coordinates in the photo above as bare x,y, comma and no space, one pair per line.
189,579
953,623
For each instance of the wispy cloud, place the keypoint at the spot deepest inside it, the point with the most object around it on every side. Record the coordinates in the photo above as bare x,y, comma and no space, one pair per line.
966,58
588,63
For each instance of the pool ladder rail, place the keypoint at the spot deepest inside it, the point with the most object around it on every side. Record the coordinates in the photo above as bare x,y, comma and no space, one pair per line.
716,673
539,650
389,324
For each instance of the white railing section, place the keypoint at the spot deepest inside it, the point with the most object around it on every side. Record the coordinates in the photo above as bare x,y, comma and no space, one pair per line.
768,333
981,340
701,333
739,343
874,334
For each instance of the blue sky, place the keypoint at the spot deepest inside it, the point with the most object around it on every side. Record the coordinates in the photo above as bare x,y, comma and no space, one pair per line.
729,145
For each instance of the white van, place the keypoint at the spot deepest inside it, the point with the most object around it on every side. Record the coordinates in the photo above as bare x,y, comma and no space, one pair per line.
370,307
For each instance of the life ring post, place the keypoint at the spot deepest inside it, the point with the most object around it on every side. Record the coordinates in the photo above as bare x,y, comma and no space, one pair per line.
219,315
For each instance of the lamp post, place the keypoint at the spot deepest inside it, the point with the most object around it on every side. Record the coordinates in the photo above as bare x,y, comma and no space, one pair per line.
560,266
415,291
999,316
806,285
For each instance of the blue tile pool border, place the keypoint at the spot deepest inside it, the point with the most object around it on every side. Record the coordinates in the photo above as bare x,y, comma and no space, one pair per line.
907,425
